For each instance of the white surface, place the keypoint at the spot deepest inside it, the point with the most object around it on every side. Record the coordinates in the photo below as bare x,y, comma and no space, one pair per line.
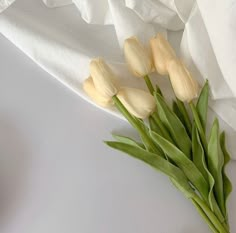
57,3
4,4
56,175
63,40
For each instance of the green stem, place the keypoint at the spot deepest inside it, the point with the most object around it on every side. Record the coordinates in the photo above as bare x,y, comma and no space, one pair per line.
218,212
124,111
164,131
199,126
136,124
149,84
204,216
211,216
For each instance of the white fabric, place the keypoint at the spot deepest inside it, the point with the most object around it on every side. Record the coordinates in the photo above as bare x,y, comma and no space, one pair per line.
4,4
63,40
57,3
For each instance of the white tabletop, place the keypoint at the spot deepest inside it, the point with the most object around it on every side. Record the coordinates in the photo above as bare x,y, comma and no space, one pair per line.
57,176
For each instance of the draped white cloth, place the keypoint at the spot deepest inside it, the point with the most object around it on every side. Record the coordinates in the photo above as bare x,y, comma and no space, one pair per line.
62,40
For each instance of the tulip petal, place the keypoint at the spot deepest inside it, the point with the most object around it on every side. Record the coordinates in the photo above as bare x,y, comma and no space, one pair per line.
91,91
103,78
162,53
138,102
185,87
137,57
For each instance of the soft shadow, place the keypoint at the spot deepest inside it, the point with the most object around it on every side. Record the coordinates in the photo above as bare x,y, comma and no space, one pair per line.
14,161
194,229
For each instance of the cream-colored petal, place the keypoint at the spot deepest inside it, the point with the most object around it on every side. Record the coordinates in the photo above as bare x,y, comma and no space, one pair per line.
185,87
103,77
162,53
137,57
138,102
91,91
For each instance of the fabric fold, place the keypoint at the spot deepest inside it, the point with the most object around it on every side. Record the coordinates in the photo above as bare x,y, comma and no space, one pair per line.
4,4
57,3
156,12
64,39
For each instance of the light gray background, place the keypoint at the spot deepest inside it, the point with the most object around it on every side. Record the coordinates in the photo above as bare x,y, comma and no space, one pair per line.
57,176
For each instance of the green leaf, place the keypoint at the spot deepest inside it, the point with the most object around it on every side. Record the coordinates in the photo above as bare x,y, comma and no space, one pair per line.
163,131
158,163
200,162
185,164
215,164
199,125
178,112
186,119
158,90
202,105
153,125
128,140
174,126
226,182
198,155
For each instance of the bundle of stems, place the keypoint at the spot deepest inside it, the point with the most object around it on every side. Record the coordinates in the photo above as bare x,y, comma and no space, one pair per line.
175,142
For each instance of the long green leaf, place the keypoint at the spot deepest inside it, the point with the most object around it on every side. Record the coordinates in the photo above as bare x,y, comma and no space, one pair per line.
199,125
158,163
178,113
128,140
159,123
198,155
147,139
174,125
186,118
202,105
154,126
185,164
215,164
158,90
226,182
200,162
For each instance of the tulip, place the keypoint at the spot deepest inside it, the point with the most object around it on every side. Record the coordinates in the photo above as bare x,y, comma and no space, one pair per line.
103,78
162,53
138,102
90,89
137,57
185,87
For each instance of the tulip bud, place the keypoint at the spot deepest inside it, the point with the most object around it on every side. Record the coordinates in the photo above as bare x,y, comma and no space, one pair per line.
138,102
103,78
137,57
162,53
185,87
89,88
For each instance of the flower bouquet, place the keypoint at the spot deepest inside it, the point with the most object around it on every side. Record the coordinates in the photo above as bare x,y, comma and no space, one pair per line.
173,139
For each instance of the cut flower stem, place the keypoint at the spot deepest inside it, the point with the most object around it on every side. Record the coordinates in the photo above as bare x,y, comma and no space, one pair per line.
136,124
149,84
211,216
